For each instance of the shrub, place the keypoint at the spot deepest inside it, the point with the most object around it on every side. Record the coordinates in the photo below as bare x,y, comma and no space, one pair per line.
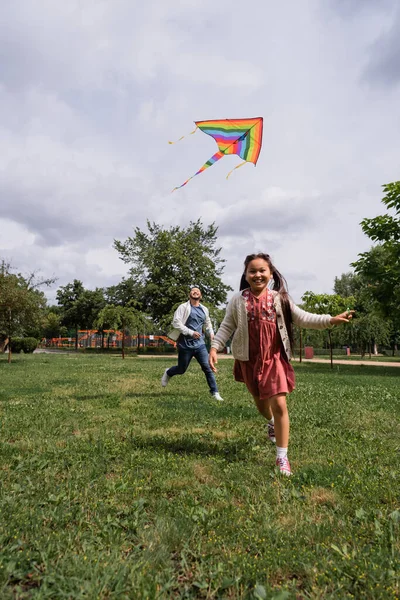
16,345
27,345
157,350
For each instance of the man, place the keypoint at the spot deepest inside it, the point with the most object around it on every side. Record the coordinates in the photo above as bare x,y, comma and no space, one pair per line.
188,322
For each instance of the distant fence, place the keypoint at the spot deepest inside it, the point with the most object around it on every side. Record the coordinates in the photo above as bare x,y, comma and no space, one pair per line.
88,338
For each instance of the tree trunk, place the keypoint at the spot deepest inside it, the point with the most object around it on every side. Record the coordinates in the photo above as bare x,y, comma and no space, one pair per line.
330,347
9,350
123,343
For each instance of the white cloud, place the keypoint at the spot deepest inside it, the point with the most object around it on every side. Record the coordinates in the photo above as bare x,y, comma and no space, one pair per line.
90,94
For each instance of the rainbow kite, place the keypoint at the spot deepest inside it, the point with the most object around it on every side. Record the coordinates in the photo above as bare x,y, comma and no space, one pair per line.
233,136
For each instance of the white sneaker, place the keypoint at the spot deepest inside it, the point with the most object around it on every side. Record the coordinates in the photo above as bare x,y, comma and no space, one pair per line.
165,378
217,396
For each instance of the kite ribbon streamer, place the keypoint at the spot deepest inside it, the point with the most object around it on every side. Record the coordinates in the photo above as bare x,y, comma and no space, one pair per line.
209,163
237,167
183,137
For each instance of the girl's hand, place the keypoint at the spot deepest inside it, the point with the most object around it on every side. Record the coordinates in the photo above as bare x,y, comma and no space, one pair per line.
213,360
343,317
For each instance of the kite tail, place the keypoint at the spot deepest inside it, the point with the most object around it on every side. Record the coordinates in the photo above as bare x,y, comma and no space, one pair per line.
237,167
209,163
181,138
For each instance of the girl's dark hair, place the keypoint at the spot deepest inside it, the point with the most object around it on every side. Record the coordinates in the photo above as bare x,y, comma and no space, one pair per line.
280,285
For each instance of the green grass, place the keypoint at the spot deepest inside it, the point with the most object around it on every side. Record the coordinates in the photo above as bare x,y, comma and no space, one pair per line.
112,487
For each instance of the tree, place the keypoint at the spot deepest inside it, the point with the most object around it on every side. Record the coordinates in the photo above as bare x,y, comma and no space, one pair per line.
79,307
347,285
368,330
22,304
122,318
166,262
380,266
68,297
323,304
51,325
370,327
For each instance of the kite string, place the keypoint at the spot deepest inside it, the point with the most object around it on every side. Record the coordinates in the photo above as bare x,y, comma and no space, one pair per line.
181,138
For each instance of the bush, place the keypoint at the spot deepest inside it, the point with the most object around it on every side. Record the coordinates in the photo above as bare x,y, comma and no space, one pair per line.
157,350
27,345
16,345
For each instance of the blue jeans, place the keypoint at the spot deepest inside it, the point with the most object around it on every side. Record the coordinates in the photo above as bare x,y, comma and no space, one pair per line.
185,355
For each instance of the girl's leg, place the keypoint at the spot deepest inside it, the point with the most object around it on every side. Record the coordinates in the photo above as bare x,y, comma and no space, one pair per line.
264,407
281,416
276,407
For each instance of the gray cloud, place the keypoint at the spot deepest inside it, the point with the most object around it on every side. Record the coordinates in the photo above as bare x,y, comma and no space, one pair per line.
384,63
355,8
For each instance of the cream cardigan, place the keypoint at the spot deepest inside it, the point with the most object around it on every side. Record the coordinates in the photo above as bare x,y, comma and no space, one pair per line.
235,321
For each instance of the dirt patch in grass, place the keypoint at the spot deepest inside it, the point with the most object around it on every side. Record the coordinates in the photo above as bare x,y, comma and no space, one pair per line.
224,435
322,497
289,520
203,474
216,433
179,483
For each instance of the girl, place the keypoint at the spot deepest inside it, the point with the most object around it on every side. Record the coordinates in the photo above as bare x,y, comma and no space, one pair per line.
261,320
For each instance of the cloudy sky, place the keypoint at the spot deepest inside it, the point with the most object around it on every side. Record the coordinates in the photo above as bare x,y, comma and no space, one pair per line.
92,90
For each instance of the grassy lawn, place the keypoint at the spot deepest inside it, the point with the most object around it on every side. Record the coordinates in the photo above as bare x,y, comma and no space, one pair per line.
112,487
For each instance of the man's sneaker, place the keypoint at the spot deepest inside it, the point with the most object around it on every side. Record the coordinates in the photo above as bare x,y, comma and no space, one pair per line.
217,396
284,466
165,379
271,433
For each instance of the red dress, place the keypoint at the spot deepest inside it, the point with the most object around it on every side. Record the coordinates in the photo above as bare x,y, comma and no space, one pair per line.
267,372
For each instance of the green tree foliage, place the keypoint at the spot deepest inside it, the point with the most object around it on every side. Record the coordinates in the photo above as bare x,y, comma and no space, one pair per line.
79,307
323,304
166,262
370,327
380,266
348,285
368,330
22,304
52,327
123,318
68,298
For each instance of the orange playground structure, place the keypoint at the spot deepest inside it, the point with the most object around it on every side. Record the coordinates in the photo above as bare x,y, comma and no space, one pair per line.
91,338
